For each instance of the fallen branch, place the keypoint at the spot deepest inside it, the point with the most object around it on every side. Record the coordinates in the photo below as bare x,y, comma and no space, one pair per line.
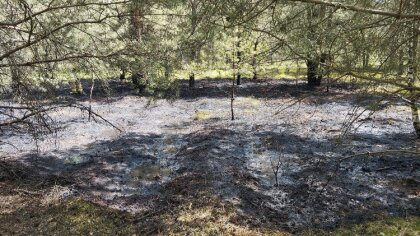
25,117
27,192
83,107
39,110
408,101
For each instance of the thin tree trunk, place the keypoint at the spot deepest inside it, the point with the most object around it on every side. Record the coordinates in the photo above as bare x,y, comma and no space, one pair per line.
365,52
412,74
254,61
90,98
167,69
193,49
138,78
16,83
232,98
366,58
239,57
400,69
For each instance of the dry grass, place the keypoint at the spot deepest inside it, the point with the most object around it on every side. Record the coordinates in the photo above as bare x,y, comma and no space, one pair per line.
202,115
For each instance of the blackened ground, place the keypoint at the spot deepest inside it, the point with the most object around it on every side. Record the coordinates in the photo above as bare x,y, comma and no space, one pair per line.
336,155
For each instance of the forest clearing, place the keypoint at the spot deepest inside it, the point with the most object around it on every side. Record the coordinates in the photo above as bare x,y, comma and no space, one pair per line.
245,117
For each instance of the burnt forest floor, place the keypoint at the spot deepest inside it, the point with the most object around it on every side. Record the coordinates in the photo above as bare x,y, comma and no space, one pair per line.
346,164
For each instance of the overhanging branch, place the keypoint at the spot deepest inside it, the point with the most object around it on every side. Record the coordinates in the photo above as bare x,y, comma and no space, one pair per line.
340,5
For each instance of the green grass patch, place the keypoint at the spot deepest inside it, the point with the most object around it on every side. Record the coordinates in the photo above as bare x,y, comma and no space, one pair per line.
407,226
71,217
275,70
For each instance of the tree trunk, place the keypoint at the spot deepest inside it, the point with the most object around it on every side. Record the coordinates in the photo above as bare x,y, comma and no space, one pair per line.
167,69
366,60
313,61
191,82
312,68
138,78
239,58
322,68
412,73
122,75
139,81
365,51
137,22
193,49
400,69
16,83
254,60
232,98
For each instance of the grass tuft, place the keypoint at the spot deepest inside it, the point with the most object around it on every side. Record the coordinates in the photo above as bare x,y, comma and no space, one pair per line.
202,115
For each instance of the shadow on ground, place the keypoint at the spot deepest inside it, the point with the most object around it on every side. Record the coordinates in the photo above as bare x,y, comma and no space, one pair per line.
218,180
219,177
110,90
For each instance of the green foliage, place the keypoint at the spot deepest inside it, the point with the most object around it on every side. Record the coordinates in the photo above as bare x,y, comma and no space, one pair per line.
168,40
